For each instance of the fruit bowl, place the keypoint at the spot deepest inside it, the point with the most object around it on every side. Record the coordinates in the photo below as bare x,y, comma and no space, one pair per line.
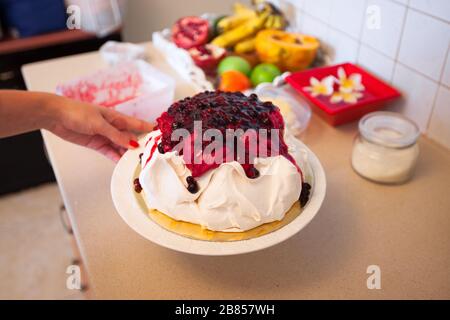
253,40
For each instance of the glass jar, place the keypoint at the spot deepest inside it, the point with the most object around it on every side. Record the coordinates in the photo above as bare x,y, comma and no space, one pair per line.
386,148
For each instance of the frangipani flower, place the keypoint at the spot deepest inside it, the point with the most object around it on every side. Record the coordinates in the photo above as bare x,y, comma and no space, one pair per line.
324,87
350,83
347,97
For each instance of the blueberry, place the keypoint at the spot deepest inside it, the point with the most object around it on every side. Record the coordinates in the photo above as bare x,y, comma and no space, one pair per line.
193,187
304,195
161,148
253,173
190,180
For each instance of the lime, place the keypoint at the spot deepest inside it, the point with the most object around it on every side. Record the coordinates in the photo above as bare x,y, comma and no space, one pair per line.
234,63
264,72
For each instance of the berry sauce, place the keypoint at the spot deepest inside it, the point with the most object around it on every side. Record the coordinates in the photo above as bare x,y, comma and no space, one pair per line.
223,110
154,147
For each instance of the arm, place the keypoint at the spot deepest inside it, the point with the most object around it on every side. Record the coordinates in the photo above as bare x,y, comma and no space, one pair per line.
98,128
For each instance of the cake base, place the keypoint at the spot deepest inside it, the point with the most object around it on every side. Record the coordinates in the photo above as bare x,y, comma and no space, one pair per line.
197,232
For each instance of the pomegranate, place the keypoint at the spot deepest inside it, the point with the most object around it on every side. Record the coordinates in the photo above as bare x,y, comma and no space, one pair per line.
207,57
189,32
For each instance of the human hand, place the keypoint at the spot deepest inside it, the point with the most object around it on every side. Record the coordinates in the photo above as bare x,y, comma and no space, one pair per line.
102,129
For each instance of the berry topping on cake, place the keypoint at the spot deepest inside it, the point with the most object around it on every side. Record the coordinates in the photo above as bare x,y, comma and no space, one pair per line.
224,112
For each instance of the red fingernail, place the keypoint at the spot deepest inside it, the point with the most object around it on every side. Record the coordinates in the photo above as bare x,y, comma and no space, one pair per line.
134,143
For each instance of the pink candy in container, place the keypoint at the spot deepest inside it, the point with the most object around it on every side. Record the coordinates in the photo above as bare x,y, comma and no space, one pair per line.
134,88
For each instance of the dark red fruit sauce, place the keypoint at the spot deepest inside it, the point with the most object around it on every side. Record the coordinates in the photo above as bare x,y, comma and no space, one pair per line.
222,110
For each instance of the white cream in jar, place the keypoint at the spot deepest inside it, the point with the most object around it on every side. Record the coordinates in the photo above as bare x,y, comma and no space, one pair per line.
386,148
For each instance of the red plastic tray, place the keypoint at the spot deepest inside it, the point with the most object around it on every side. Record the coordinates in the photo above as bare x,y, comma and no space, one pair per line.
375,96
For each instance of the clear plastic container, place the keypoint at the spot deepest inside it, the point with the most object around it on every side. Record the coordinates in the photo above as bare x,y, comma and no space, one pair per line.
386,149
114,52
134,88
296,113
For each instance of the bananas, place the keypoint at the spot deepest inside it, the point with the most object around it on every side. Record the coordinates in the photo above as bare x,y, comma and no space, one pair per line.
276,19
242,14
247,45
239,30
275,22
245,30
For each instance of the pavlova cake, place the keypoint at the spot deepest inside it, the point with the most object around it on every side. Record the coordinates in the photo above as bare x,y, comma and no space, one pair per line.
223,161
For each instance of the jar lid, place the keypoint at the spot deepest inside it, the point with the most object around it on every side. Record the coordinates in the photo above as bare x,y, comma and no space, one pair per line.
389,129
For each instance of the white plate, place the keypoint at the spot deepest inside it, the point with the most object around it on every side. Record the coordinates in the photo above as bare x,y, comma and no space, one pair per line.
135,216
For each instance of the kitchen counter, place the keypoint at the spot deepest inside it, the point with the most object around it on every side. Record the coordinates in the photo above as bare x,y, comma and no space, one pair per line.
405,229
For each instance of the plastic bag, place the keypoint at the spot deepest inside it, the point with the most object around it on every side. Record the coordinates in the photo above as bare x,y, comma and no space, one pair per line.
134,88
100,16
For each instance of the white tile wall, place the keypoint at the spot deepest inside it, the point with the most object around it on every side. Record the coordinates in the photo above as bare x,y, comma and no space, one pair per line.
437,8
345,20
315,27
343,48
424,44
320,9
418,92
386,37
403,2
409,50
446,74
376,63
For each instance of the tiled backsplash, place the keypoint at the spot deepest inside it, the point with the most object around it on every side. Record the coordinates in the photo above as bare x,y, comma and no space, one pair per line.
405,42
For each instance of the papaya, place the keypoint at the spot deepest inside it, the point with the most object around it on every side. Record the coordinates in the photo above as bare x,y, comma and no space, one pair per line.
288,51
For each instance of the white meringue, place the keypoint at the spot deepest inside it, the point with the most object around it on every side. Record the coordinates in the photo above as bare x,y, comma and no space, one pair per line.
227,199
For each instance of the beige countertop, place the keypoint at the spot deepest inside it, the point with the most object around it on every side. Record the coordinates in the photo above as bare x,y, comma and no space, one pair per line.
405,230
